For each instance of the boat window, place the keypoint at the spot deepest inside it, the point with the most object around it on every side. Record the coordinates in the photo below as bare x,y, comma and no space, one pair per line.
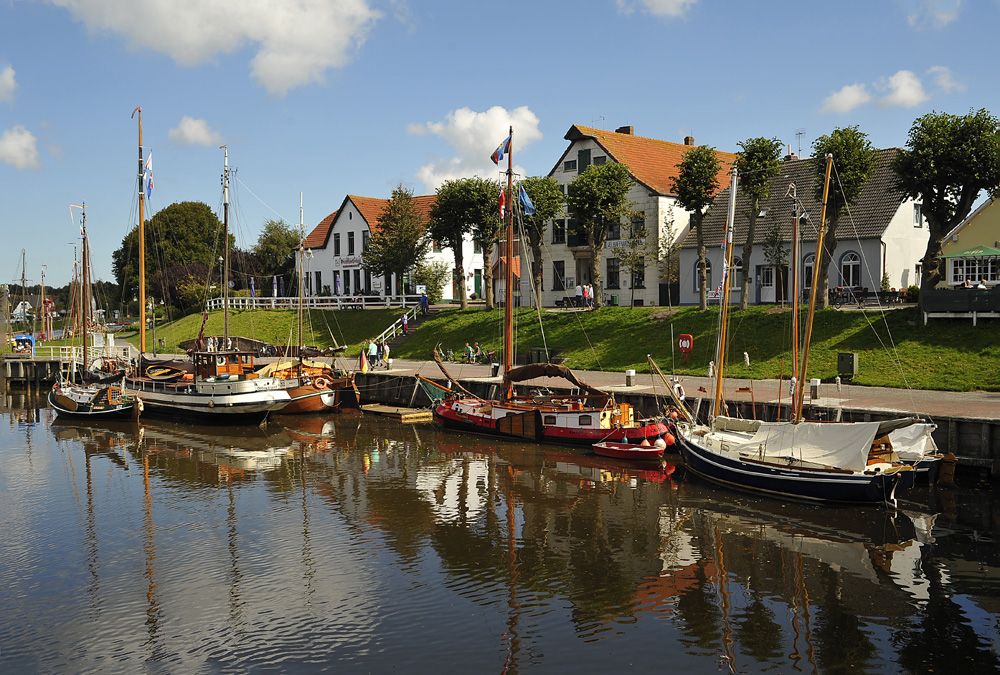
585,420
549,419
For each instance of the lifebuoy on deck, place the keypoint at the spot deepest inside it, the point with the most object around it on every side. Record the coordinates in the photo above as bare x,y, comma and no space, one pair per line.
321,383
679,390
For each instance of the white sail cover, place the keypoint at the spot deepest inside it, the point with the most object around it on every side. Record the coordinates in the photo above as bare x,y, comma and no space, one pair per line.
915,441
842,445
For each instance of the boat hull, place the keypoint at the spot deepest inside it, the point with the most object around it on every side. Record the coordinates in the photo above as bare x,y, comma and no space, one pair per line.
217,403
84,411
631,451
834,487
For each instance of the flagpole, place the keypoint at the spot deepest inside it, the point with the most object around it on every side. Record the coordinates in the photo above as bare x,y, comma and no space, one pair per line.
142,246
508,336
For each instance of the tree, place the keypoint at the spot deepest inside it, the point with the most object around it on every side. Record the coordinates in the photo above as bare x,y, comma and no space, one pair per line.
434,276
453,216
668,253
696,187
949,160
635,254
854,163
757,164
549,202
597,199
276,250
181,234
399,242
484,209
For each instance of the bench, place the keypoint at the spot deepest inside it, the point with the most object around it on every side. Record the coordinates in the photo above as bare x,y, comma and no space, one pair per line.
565,302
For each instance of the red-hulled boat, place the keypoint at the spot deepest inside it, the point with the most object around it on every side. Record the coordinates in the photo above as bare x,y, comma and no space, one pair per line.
628,450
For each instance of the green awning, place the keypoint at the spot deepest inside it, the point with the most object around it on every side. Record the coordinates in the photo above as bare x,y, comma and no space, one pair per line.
974,252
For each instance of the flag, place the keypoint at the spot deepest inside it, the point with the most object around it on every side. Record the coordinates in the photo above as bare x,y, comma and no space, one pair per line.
281,283
498,154
501,202
274,286
364,362
147,176
522,195
253,294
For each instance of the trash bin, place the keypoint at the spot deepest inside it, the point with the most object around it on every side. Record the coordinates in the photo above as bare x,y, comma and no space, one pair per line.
814,388
629,378
495,369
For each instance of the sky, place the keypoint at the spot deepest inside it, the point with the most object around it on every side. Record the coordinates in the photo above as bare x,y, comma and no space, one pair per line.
334,97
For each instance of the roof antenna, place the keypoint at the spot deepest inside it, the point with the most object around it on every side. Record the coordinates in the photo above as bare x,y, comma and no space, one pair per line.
603,122
799,133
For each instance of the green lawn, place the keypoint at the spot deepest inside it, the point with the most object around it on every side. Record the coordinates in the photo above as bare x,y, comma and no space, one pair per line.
892,351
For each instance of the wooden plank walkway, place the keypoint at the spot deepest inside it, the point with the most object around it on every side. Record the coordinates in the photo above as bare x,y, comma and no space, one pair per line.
399,412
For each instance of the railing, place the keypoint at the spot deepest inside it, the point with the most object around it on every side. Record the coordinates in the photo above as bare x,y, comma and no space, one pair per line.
319,302
67,354
397,326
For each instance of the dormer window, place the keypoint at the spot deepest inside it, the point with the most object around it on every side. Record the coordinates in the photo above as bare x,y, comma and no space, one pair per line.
569,165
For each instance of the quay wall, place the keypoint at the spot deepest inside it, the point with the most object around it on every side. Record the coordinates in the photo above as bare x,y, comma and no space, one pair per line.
975,442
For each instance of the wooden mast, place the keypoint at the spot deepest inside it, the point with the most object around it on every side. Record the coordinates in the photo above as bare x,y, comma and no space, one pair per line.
800,394
720,356
302,243
85,301
508,316
225,244
142,246
795,282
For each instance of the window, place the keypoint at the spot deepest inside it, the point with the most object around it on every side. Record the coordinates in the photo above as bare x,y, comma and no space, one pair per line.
918,214
736,274
436,245
477,245
615,230
357,281
347,282
365,237
600,160
613,277
559,231
350,243
850,270
807,271
639,274
585,420
558,275
975,270
549,420
368,282
319,282
336,283
336,243
569,165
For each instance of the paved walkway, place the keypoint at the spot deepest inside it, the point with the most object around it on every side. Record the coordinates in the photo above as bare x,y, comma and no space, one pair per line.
974,405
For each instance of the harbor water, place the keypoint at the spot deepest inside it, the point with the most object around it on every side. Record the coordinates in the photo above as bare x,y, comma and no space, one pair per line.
357,544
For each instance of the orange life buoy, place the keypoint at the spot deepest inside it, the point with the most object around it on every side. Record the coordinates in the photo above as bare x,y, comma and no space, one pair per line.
321,383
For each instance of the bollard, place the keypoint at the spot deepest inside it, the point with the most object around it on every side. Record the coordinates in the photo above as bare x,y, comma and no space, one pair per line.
629,378
814,388
388,364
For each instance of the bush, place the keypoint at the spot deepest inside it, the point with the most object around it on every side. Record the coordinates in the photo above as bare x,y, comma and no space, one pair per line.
913,292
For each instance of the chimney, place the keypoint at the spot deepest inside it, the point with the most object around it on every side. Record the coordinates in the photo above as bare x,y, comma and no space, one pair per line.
689,140
625,130
791,156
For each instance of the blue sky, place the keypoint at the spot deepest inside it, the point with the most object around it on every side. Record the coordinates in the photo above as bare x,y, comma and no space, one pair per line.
337,97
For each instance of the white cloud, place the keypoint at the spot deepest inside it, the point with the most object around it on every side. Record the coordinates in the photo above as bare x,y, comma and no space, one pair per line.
668,8
905,90
473,137
7,84
932,13
945,79
296,42
19,148
847,99
192,131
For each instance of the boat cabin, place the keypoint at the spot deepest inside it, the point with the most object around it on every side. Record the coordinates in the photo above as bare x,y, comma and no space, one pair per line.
232,365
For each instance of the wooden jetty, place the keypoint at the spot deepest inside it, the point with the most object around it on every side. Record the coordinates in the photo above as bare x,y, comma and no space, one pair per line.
399,413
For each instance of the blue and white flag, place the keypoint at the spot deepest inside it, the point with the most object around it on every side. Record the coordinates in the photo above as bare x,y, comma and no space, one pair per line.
147,176
522,195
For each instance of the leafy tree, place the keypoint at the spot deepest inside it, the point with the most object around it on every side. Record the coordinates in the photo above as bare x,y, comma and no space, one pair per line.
597,199
757,164
696,187
455,213
276,249
668,253
636,253
487,228
549,202
181,234
775,253
854,164
949,160
399,242
434,276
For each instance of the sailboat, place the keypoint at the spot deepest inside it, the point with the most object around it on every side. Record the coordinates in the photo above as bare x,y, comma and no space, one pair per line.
312,386
80,400
222,386
833,462
576,419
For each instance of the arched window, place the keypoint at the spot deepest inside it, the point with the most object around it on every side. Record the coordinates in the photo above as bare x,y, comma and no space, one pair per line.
736,274
807,270
708,276
850,270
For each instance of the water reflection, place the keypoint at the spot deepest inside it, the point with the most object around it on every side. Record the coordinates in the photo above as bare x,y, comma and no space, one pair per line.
371,545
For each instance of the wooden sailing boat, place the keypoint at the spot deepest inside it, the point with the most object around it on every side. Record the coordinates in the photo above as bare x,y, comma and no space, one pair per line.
80,400
844,462
313,387
222,386
578,419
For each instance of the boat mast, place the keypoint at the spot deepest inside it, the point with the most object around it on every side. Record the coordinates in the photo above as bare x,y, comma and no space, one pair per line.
142,246
85,310
795,284
508,316
800,393
720,356
225,244
302,243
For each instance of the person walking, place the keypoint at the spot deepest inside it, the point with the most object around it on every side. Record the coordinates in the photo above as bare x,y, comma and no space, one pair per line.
586,295
373,353
423,304
579,295
590,295
385,353
405,324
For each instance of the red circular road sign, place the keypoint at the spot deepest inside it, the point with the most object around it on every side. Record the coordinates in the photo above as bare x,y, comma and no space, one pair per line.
685,343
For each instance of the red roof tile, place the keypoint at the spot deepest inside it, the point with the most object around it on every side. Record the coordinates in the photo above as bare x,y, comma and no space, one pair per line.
371,208
651,162
319,235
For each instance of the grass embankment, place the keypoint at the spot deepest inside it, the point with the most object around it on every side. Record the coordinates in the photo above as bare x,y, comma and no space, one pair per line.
949,355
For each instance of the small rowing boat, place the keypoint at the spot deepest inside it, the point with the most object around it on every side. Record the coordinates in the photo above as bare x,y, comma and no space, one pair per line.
628,450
